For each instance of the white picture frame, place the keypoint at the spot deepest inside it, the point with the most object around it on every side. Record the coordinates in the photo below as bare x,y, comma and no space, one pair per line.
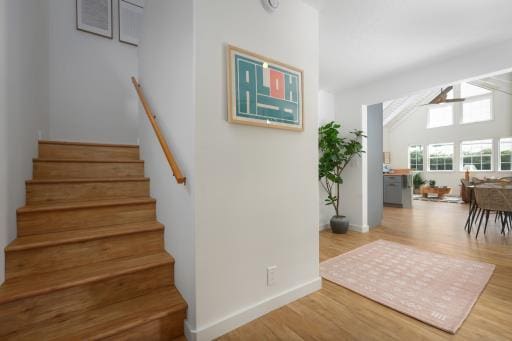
131,14
95,16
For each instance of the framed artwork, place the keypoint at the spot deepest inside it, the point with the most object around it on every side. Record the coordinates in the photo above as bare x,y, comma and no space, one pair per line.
94,16
263,92
131,15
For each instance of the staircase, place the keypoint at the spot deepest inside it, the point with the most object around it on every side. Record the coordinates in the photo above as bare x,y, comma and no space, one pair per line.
89,261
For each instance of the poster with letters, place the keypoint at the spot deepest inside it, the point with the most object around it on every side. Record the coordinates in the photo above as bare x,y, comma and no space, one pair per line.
263,92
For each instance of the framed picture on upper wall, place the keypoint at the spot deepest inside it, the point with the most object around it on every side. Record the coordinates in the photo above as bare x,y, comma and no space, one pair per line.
264,92
131,15
94,16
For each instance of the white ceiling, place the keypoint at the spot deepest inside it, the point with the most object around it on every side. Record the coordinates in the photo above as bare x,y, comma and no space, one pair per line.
366,40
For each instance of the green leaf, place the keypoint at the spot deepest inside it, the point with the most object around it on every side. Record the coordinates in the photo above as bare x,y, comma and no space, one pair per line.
336,152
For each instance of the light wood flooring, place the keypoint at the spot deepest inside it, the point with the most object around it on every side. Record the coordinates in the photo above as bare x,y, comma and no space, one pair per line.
336,313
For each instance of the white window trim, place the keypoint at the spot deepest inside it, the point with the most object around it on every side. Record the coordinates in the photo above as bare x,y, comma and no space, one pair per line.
476,99
499,155
461,157
442,170
409,156
432,106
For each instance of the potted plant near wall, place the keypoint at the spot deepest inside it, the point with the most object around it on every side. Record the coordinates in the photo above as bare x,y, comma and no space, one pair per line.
418,181
336,152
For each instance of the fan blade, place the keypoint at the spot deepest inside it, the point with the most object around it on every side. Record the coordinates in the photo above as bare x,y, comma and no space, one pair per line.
448,89
455,100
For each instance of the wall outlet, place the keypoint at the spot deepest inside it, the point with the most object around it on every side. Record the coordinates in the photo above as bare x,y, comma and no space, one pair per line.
271,275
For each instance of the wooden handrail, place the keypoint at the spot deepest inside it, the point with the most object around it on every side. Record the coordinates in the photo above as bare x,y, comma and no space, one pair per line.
168,154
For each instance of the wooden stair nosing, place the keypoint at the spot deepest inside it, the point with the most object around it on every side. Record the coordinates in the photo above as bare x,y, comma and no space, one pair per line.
76,236
92,144
35,160
84,205
83,180
113,319
10,290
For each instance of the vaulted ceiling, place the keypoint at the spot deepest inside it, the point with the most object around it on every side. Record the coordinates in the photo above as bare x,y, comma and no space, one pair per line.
399,109
362,41
502,83
395,111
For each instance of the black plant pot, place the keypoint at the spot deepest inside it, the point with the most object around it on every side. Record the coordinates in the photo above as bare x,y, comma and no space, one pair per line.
339,224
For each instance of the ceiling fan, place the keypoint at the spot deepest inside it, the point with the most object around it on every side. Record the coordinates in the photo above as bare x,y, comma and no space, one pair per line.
442,97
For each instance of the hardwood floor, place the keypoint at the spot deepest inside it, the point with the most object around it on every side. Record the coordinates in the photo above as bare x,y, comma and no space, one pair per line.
336,313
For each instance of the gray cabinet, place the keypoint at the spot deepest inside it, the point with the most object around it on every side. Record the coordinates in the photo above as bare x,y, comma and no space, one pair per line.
397,191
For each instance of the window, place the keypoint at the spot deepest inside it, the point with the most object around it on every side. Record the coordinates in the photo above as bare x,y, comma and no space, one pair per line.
416,158
440,116
468,90
476,110
506,154
477,106
477,153
440,156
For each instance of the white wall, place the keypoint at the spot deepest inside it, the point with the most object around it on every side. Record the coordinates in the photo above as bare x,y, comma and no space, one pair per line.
257,188
413,130
326,107
167,77
23,105
496,58
326,113
91,95
385,139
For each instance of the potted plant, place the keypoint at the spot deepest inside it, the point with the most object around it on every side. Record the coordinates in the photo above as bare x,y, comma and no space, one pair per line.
432,183
336,152
418,181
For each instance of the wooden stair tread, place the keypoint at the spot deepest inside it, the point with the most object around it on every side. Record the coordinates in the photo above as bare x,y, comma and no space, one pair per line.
38,284
83,204
84,180
109,320
89,261
91,144
75,236
87,160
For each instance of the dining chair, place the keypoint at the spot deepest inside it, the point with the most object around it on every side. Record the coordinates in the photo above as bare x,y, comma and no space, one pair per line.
494,198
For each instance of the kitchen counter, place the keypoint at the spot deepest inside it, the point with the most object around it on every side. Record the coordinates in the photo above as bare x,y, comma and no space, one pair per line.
397,190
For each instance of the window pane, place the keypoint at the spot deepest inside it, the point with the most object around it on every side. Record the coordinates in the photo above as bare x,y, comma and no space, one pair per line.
468,90
416,157
440,116
476,111
477,153
505,153
440,156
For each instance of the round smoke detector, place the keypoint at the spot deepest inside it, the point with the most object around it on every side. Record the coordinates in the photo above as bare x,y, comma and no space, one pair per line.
270,5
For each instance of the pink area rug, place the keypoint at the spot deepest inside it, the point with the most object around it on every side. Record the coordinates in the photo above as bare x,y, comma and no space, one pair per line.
433,288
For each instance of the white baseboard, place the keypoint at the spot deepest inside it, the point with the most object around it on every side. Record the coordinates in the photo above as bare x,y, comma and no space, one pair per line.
243,316
359,228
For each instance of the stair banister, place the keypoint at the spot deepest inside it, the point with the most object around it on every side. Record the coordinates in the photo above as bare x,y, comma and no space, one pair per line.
167,151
